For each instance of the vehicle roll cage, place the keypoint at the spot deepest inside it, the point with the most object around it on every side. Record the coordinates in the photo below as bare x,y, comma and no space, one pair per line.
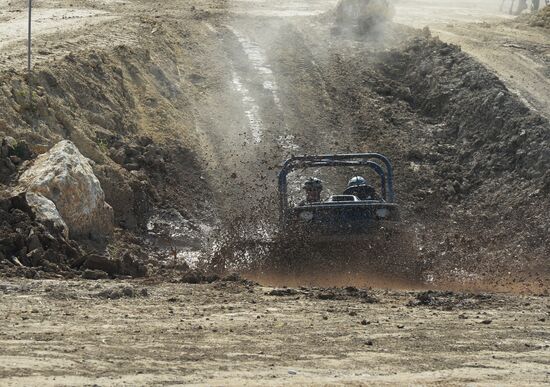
385,172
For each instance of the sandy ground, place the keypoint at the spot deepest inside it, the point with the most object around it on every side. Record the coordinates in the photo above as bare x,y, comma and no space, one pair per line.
230,333
45,21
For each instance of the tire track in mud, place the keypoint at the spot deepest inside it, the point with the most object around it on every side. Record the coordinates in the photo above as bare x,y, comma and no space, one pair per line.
270,127
244,124
259,134
260,98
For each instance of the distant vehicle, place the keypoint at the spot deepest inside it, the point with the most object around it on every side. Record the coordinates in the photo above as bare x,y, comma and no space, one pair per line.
354,215
362,15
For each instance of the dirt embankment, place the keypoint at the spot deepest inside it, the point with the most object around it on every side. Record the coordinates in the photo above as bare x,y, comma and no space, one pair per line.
540,19
489,155
130,109
512,47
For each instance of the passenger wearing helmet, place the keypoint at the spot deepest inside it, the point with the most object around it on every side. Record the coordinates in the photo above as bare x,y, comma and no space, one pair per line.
313,188
360,187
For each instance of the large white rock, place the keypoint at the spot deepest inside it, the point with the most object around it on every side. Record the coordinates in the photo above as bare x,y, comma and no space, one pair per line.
46,212
64,176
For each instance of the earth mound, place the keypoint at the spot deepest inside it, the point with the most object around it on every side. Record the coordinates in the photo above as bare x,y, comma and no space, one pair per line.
541,18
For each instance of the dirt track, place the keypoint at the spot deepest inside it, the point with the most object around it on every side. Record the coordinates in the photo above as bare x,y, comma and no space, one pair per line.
245,84
228,333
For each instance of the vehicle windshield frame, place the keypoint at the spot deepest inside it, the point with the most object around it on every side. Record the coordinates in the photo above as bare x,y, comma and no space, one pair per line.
383,170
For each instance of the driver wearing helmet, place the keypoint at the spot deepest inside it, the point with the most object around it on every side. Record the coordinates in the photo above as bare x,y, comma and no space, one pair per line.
360,187
313,188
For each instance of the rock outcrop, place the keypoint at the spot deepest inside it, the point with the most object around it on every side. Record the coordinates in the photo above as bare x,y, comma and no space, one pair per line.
12,155
46,213
66,178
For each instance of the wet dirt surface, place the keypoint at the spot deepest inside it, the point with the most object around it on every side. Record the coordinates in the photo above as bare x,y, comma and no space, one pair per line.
230,333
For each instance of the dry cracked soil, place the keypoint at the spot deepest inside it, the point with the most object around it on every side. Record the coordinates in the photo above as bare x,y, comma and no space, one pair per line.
187,109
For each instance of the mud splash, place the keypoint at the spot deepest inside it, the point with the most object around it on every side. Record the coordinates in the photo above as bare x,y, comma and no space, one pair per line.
179,241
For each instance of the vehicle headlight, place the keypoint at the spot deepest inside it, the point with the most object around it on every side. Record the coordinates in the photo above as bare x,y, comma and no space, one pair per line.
306,215
382,212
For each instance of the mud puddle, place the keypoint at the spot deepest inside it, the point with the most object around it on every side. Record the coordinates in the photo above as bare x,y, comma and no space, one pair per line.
177,239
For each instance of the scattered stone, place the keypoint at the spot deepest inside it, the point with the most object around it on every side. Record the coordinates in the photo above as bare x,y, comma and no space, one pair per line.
33,243
46,213
232,277
117,293
16,160
448,300
23,151
283,292
367,298
94,274
102,263
486,322
210,278
326,296
114,267
128,291
192,277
